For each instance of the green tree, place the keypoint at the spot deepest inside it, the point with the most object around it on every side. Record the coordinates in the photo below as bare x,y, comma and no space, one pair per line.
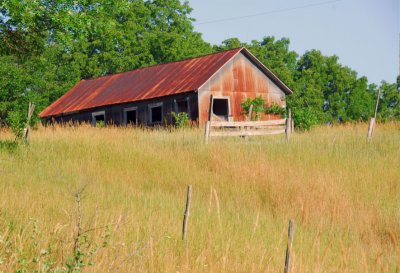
275,54
389,105
360,101
229,44
47,46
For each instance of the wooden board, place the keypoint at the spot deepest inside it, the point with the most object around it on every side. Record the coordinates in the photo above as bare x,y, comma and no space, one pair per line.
247,133
247,123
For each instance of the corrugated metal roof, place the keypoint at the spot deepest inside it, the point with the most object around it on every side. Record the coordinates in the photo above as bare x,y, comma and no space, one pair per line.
141,84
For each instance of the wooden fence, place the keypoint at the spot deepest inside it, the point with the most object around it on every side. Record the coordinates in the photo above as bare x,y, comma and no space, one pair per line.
247,128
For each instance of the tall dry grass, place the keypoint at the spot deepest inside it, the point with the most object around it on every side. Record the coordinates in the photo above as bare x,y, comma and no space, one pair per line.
342,192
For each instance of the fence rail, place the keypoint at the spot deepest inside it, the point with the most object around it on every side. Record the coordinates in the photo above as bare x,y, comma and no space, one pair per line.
247,128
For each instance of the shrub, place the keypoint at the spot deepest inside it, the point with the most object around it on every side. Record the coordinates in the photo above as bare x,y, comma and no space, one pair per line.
181,119
304,118
276,110
258,106
17,123
100,124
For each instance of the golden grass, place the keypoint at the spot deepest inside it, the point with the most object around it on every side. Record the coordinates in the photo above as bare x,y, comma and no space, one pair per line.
342,192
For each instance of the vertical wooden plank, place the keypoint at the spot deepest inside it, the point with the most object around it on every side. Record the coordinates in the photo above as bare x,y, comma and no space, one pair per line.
208,123
288,124
187,211
207,131
292,125
31,109
289,247
371,128
377,102
373,120
211,107
250,113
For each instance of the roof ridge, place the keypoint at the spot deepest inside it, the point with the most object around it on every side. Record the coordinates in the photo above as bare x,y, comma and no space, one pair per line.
161,64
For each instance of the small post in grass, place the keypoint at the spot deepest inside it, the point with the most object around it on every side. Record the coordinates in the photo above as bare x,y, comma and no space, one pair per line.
289,247
27,127
187,211
373,120
207,131
288,124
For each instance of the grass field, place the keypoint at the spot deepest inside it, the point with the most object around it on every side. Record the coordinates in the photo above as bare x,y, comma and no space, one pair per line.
342,193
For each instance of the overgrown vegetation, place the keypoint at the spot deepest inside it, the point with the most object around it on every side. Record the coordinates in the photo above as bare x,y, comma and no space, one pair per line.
17,122
275,109
341,191
257,104
181,120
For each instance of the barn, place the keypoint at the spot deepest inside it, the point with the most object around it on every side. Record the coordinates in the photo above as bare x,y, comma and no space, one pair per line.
148,96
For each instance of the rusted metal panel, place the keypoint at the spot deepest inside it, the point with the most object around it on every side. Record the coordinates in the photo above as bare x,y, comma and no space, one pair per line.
239,79
140,84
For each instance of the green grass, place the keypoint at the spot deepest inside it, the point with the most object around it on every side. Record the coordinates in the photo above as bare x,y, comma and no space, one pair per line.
342,192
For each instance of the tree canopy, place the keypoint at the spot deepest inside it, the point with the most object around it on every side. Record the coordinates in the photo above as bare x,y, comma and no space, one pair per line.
47,46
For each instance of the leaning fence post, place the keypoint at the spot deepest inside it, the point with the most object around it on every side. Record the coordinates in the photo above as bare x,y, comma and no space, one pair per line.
289,247
186,215
288,124
291,125
370,128
373,120
207,131
27,127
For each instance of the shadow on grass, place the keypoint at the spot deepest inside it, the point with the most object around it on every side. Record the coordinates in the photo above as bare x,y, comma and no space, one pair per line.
8,145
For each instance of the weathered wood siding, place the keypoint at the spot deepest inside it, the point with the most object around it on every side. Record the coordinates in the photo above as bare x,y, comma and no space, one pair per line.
239,79
114,113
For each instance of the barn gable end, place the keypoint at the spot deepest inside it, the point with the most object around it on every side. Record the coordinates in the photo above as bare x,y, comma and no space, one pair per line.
237,80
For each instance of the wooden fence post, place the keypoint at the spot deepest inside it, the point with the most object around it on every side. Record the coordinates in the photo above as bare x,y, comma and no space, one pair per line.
288,124
207,131
291,125
31,109
187,210
370,128
373,120
289,247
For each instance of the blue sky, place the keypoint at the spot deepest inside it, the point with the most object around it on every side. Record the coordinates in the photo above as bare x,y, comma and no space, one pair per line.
363,33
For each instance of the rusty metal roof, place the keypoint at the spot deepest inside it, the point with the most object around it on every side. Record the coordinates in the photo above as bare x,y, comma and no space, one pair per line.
144,83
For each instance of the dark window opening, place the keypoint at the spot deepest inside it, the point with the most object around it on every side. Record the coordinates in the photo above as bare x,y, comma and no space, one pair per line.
131,117
156,114
99,118
182,106
221,107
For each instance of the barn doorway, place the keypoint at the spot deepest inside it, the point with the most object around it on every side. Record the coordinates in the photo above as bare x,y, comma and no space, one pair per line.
220,108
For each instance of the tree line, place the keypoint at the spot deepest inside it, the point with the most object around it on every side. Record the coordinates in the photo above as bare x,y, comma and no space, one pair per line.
47,46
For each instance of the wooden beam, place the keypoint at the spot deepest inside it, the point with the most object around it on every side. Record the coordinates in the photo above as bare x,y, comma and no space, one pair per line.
248,123
247,133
